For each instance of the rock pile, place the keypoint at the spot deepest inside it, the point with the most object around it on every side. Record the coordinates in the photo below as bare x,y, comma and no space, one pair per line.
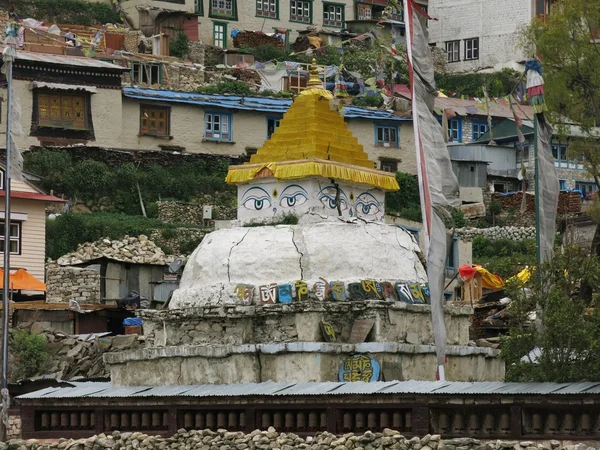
512,233
74,358
136,250
270,439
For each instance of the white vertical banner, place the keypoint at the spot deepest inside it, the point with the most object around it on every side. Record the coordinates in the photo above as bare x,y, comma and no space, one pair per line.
438,185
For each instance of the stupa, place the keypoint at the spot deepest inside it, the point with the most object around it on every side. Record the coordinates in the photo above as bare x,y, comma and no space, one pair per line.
339,296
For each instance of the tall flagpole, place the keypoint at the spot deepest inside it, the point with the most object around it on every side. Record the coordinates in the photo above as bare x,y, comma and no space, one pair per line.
8,58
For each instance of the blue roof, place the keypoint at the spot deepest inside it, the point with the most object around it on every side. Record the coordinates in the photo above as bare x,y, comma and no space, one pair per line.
264,104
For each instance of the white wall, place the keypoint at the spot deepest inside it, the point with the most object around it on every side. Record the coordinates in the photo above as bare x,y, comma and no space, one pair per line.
497,24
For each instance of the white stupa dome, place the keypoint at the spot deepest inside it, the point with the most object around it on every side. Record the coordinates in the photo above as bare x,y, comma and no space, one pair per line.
332,250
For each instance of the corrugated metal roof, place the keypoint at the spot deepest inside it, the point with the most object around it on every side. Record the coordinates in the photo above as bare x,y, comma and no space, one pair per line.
264,104
64,60
270,388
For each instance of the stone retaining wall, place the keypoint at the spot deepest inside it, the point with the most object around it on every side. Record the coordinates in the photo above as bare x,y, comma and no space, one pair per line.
270,439
13,429
255,324
512,233
72,283
192,213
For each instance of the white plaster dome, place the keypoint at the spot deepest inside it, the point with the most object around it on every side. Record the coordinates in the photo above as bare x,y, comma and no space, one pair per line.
334,251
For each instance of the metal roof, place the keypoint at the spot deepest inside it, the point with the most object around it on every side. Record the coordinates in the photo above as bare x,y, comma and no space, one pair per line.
64,60
264,104
270,388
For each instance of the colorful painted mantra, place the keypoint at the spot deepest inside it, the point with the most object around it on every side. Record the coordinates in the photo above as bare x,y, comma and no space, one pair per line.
335,291
359,368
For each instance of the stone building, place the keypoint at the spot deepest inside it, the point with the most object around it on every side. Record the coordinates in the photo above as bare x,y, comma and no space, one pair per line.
482,34
338,296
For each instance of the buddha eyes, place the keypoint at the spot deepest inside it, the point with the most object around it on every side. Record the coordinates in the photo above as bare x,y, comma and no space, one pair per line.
327,196
293,195
256,198
367,205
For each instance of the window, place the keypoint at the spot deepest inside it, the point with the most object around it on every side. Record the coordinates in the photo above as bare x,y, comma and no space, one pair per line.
222,7
479,129
562,185
455,130
142,73
453,51
66,111
267,8
559,152
389,165
386,136
272,124
471,49
154,121
199,7
333,15
301,11
217,127
364,12
15,237
220,34
500,186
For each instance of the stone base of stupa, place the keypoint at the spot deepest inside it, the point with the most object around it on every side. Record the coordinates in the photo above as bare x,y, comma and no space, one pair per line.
230,344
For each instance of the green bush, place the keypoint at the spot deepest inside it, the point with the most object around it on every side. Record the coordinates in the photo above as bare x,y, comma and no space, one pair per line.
407,198
29,351
180,46
75,12
188,246
368,100
265,53
88,180
504,257
458,218
499,84
227,87
66,232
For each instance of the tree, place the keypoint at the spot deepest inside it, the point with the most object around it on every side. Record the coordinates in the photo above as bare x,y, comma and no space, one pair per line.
568,342
570,59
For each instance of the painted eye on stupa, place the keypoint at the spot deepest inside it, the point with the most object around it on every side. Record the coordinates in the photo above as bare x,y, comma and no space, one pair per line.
367,205
327,196
293,195
256,198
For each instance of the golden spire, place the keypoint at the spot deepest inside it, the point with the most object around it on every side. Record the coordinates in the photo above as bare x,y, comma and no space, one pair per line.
315,85
314,80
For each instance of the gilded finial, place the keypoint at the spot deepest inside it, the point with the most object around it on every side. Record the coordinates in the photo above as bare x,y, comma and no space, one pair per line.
314,81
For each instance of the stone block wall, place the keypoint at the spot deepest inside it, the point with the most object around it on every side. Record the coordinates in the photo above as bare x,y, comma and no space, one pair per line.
512,233
13,429
184,78
182,212
299,322
72,283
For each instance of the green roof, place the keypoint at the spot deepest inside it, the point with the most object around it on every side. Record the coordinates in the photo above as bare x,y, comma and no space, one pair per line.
505,131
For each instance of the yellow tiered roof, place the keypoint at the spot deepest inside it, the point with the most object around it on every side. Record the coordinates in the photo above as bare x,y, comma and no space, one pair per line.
313,140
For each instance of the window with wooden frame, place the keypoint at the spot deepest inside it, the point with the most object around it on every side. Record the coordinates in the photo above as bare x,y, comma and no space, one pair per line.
15,237
154,120
471,49
146,73
301,11
223,8
267,8
364,12
386,136
389,165
59,110
453,51
333,14
217,126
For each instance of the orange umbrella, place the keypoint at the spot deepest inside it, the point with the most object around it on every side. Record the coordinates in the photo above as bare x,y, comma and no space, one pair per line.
22,280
